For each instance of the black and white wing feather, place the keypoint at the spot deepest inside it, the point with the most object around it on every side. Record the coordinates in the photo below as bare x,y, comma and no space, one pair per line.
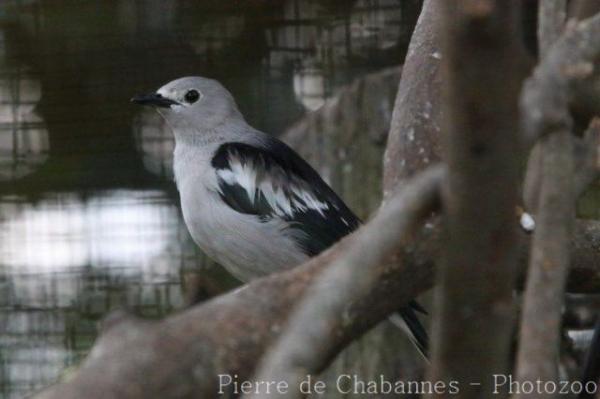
272,181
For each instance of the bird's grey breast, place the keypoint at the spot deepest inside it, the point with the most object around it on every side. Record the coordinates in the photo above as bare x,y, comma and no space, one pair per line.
195,180
245,245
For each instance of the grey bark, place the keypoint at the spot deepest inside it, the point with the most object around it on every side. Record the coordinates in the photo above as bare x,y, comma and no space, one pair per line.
413,142
551,21
552,15
550,119
474,310
539,341
587,158
567,67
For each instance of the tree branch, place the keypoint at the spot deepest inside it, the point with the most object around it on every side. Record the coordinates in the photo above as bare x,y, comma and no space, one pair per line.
551,21
539,342
586,154
552,15
544,293
587,158
554,82
413,142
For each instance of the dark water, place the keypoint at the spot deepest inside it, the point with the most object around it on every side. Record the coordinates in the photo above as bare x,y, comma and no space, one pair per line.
89,218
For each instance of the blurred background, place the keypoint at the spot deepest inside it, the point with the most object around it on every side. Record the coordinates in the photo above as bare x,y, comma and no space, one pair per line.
89,215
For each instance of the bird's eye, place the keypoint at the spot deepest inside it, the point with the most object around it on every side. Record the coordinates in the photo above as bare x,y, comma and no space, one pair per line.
191,96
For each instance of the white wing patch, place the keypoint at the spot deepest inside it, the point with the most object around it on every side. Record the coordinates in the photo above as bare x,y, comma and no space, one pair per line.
243,176
284,194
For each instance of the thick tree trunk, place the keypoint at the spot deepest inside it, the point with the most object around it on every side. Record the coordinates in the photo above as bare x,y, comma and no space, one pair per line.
539,343
474,309
413,142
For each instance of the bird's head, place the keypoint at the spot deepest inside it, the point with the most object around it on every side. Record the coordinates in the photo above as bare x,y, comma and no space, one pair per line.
192,105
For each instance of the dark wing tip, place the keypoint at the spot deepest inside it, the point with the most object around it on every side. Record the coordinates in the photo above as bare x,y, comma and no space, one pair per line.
421,339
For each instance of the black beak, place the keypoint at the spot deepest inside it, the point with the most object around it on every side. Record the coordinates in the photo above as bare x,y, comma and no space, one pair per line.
154,99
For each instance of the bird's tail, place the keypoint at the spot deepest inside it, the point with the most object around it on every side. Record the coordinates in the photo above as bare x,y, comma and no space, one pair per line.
407,320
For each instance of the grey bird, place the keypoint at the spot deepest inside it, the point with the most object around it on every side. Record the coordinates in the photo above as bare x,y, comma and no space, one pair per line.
250,202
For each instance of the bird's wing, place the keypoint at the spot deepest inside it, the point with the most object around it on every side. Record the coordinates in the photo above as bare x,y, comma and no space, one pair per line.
272,181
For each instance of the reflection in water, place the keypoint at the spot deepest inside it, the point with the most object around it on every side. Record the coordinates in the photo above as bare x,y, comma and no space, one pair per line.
116,228
309,86
23,136
50,295
155,141
84,228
